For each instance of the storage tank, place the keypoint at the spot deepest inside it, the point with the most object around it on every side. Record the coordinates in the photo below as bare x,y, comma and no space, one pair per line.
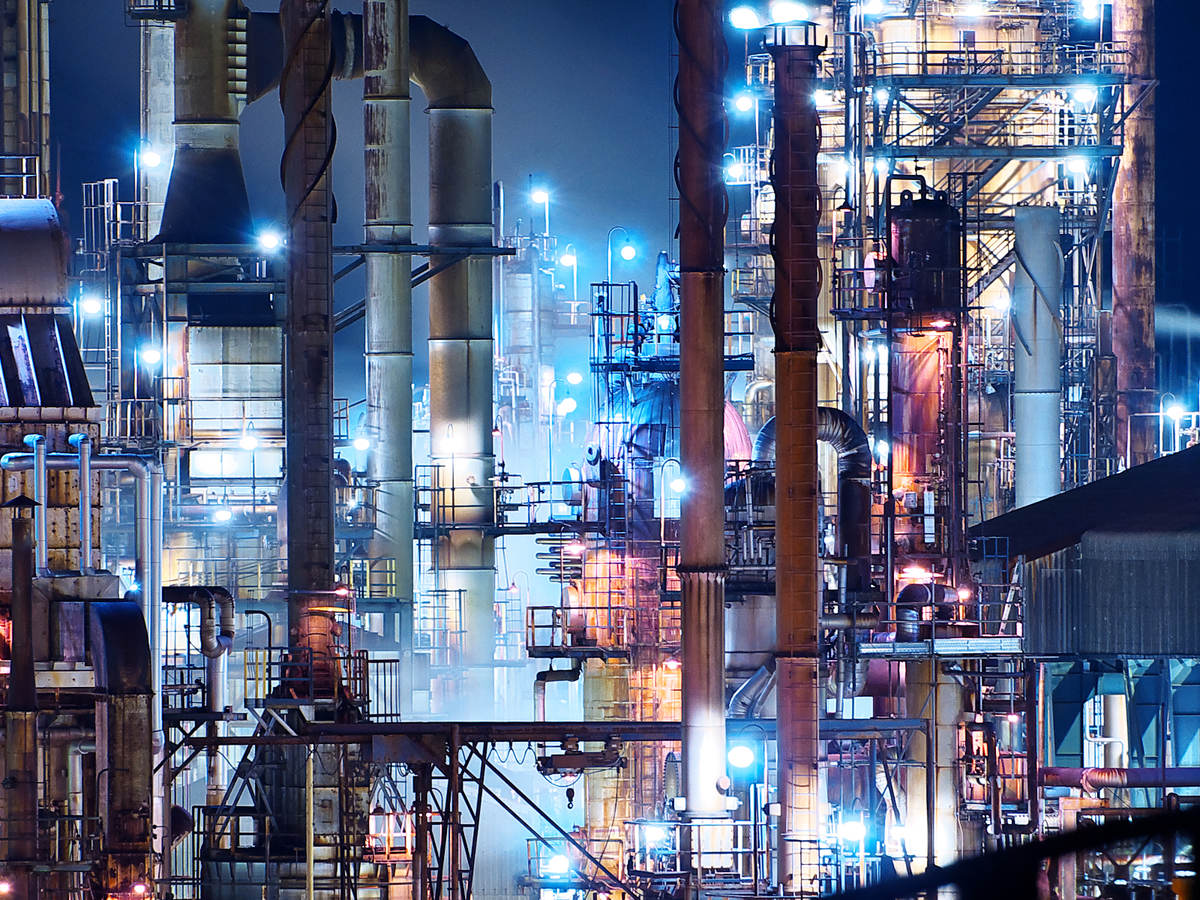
925,244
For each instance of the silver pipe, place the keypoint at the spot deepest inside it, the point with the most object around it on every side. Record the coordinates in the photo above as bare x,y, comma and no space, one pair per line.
389,350
83,444
41,552
1037,353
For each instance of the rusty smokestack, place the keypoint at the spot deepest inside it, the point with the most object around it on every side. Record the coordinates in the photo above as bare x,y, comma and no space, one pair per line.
797,574
1133,241
702,213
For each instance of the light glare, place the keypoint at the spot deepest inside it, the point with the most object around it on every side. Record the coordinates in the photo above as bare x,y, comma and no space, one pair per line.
1176,412
852,831
362,444
91,305
249,441
740,756
151,355
743,103
222,515
558,865
628,252
574,378
269,241
745,18
788,11
567,260
678,485
567,406
1077,165
149,158
540,195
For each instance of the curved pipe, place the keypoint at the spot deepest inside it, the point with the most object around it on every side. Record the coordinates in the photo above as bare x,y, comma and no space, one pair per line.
846,436
909,603
545,677
83,444
446,69
37,443
751,693
217,627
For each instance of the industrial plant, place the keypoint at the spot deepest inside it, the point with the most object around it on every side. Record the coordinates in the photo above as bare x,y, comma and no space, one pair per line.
849,554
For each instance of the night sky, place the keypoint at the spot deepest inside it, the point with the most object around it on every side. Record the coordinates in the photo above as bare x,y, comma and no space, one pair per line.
582,95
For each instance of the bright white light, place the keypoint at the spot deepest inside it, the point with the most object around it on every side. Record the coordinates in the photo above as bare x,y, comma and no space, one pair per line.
873,8
678,485
1090,9
269,241
882,166
666,323
568,260
91,305
1077,165
151,355
222,515
881,351
824,98
999,302
575,548
1084,95
745,17
788,11
249,440
628,252
149,158
881,95
557,865
574,378
362,444
140,889
740,756
1176,412
654,834
6,886
735,171
567,406
743,103
540,195
852,831
964,593
918,574
881,452
974,10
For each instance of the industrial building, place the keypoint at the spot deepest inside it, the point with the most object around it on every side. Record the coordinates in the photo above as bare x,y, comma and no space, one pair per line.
852,556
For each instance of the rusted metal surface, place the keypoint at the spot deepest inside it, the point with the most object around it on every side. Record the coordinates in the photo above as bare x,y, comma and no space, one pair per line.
797,577
308,390
703,207
1133,242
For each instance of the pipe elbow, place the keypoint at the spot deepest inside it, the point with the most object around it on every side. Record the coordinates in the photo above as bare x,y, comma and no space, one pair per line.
846,436
32,440
445,68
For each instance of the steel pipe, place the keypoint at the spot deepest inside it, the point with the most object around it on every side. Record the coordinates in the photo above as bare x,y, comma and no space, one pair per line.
1096,779
41,550
83,444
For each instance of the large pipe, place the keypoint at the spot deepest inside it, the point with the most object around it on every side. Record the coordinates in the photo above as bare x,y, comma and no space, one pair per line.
543,678
37,443
797,340
1133,238
206,199
849,441
83,445
389,350
1037,381
20,750
1093,780
459,97
304,94
702,214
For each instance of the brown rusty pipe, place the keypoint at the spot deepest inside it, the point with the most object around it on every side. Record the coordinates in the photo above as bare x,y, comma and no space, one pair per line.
20,750
703,207
1094,780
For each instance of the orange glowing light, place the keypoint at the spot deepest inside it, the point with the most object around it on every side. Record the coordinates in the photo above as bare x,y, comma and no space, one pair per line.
940,323
672,663
964,593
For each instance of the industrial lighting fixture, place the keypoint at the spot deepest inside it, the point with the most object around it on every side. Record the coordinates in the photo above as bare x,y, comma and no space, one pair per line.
672,664
540,196
655,834
1176,412
743,103
883,166
940,324
249,439
222,515
917,574
873,8
1000,302
567,406
740,756
628,252
149,158
964,593
1077,165
91,305
6,885
735,171
269,241
745,18
852,831
150,355
783,11
666,323
678,485
568,260
362,444
881,452
1084,95
140,889
882,95
575,548
557,865
1090,9
574,378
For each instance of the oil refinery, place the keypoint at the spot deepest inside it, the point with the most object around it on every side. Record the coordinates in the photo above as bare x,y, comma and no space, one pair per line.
848,555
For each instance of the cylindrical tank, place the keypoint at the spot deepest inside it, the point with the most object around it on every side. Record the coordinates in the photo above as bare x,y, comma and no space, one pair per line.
925,240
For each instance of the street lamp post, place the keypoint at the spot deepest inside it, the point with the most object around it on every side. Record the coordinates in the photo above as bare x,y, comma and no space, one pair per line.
628,251
571,260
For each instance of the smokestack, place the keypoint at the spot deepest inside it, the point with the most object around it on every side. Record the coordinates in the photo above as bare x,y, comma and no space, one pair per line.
702,212
1037,382
389,348
797,574
1133,240
206,198
304,96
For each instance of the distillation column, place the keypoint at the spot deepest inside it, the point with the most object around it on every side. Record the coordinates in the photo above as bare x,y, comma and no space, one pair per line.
702,212
459,97
797,573
389,351
1133,241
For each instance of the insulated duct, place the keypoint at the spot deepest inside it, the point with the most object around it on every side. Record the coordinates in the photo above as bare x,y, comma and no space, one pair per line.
206,198
703,207
389,350
1037,381
459,97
